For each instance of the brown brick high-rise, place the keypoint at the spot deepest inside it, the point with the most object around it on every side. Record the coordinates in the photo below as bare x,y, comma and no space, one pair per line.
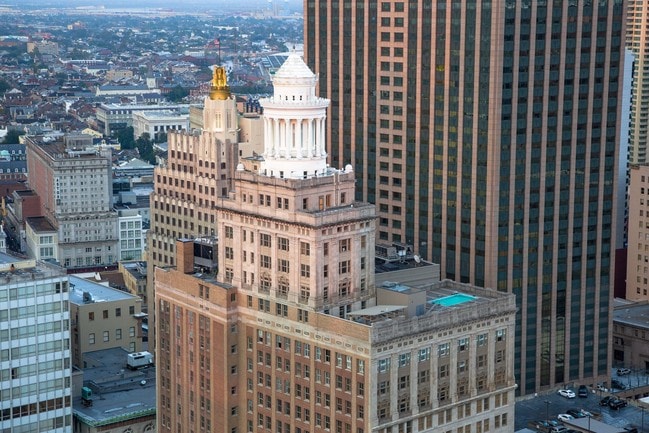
485,132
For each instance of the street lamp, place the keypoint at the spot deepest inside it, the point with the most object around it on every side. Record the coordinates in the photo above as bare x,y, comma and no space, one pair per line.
547,410
589,431
642,428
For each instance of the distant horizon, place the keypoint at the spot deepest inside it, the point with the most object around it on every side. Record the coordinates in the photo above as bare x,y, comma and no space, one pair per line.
293,5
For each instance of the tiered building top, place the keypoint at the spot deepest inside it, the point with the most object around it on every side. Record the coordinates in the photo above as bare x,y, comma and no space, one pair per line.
294,119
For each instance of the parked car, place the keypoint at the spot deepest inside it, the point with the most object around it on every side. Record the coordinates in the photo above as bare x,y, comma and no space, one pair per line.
559,429
582,391
567,393
601,387
616,384
617,403
605,400
543,426
623,371
575,413
565,417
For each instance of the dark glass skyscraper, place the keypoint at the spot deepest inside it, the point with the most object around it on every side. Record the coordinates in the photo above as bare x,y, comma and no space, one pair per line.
486,134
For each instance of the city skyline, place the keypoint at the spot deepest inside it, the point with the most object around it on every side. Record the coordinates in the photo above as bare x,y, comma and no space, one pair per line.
294,5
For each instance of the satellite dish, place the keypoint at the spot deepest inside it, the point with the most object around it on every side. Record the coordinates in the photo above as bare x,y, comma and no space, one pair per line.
417,258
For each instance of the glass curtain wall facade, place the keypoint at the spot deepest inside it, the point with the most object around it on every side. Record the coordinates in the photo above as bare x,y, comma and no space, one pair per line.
486,133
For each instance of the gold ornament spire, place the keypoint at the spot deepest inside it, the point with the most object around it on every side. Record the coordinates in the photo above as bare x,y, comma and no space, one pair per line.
220,89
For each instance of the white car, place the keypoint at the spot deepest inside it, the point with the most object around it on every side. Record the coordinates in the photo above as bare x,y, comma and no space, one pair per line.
565,417
567,393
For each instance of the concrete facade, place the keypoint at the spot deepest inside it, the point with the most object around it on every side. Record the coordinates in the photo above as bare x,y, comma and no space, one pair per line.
157,123
75,190
113,117
631,336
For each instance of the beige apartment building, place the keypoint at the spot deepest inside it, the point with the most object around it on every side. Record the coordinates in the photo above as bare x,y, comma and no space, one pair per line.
637,41
291,334
103,318
637,271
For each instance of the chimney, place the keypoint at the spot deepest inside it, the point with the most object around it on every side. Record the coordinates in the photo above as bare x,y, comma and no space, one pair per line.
185,255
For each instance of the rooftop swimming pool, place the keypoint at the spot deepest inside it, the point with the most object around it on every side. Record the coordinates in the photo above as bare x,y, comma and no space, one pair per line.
453,300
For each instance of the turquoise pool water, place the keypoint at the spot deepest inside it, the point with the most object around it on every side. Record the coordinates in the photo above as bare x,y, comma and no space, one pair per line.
452,300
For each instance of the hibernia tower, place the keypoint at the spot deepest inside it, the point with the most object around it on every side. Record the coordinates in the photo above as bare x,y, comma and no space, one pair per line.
303,238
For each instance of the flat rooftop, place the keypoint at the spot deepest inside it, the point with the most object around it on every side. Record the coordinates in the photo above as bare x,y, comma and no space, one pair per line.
98,292
438,305
119,394
19,268
446,294
25,193
636,315
7,259
40,224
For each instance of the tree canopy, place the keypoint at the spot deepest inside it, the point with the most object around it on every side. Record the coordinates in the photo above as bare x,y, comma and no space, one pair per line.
12,136
177,94
125,138
145,148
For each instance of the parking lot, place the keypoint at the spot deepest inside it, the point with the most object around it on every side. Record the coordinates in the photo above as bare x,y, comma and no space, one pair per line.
548,406
632,379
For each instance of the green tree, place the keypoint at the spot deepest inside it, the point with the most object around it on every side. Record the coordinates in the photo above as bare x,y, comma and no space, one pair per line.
177,94
125,138
78,54
145,148
4,86
12,136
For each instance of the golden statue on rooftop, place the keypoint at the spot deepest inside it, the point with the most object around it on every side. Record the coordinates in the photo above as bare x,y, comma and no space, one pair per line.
219,88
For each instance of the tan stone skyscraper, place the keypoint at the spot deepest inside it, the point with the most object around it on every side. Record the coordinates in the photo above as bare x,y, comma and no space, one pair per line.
198,169
486,134
291,335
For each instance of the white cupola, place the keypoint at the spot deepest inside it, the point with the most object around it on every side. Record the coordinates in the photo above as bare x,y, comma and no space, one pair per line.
294,123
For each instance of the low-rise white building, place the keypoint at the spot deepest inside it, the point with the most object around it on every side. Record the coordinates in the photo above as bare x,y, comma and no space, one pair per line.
156,123
42,239
113,117
131,235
